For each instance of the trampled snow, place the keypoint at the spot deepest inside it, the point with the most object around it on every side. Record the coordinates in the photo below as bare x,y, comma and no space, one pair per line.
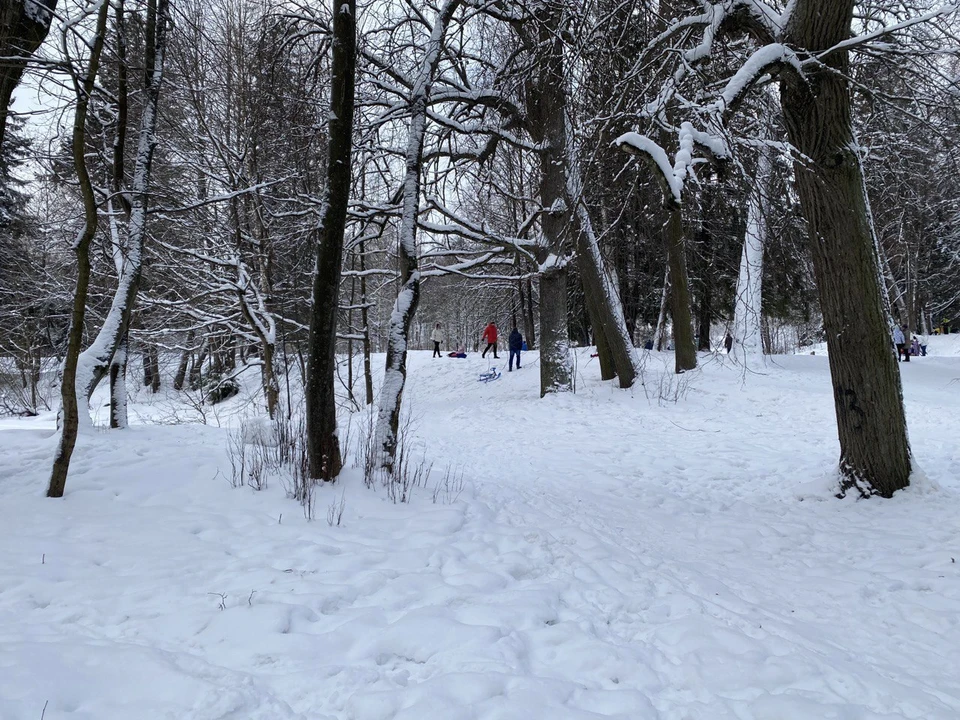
666,553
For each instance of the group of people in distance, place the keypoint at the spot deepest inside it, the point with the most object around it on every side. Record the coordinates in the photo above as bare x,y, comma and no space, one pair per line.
916,346
489,336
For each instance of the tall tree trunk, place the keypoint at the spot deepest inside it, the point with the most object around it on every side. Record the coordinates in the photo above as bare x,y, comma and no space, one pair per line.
323,446
685,351
96,359
748,310
405,307
546,110
24,25
68,387
874,449
602,296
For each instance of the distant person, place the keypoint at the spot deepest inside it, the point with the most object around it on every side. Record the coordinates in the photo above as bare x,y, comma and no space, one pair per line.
515,342
922,341
648,345
915,346
728,343
437,337
490,337
899,341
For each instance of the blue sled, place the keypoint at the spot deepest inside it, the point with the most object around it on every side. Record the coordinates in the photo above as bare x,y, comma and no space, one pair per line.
489,376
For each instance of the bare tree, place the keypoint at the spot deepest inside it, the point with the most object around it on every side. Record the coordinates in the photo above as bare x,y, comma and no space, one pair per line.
323,446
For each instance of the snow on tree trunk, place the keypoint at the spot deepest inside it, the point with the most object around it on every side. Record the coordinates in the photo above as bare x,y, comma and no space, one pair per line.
23,26
94,362
323,445
70,414
602,294
405,307
118,388
874,449
546,111
747,335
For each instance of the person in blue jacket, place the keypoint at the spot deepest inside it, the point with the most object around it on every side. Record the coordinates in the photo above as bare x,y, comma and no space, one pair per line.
516,344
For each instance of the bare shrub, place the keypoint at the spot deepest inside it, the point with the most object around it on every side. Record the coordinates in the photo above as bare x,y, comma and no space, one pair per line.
448,489
335,511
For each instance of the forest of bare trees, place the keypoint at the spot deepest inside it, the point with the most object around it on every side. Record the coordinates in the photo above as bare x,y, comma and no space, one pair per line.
194,190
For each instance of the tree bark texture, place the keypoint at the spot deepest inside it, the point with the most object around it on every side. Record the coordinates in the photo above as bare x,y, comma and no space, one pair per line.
405,307
546,110
24,25
874,448
70,418
685,351
323,446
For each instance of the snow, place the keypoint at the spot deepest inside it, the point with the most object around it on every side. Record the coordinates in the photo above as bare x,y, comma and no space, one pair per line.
665,553
751,70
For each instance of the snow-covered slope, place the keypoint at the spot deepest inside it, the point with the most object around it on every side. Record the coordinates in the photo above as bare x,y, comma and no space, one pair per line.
670,553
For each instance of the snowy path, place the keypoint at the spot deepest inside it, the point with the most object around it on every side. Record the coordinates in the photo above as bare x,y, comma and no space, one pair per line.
612,558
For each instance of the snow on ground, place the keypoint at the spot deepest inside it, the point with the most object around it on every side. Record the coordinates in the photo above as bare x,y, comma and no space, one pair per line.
662,554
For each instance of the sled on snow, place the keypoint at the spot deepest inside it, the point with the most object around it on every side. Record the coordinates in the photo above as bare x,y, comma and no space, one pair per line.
489,376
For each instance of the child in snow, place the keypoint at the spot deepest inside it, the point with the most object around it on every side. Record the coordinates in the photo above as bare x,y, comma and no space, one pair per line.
490,336
516,344
437,337
922,342
728,343
899,341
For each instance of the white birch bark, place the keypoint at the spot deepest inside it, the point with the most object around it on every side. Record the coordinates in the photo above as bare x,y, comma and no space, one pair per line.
395,374
94,362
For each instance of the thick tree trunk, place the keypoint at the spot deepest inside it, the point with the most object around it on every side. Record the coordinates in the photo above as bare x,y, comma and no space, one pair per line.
554,339
323,446
23,26
70,420
546,109
405,307
874,449
679,297
601,294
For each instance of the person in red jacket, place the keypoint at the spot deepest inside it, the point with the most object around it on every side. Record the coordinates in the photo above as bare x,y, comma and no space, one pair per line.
490,335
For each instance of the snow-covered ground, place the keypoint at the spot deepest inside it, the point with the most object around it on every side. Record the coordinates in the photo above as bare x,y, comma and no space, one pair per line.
670,553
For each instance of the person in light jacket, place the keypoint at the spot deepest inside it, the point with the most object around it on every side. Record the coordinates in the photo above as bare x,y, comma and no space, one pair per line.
437,337
899,341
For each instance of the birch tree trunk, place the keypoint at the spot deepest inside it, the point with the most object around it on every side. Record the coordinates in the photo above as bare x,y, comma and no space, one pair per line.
747,315
323,446
94,364
70,415
395,374
875,453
